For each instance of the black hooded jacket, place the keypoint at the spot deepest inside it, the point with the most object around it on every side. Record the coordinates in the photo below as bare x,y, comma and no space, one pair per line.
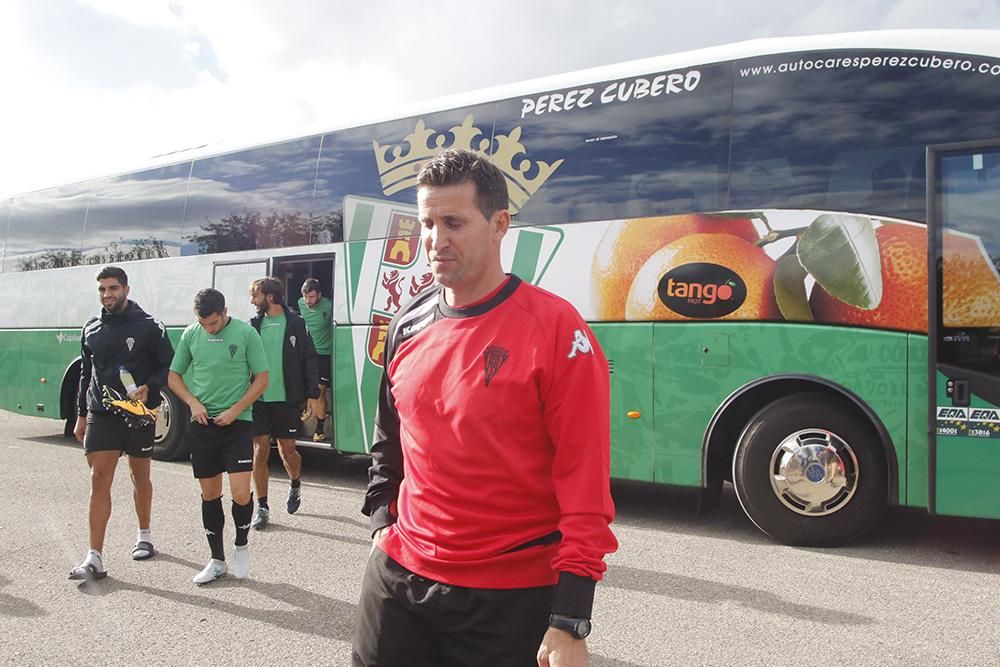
299,363
131,339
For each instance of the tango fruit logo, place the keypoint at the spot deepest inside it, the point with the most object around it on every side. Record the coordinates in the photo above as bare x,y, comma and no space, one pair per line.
702,290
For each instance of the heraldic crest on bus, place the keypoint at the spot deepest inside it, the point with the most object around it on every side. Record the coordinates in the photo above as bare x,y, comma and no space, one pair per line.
399,171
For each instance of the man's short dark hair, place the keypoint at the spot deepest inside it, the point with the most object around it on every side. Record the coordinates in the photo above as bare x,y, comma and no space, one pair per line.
455,167
209,302
310,285
272,286
114,272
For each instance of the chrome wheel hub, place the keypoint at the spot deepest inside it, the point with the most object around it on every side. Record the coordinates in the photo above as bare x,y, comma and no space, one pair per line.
814,472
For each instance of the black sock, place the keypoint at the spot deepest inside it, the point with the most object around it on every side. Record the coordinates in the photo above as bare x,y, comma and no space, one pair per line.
296,483
241,517
214,520
262,501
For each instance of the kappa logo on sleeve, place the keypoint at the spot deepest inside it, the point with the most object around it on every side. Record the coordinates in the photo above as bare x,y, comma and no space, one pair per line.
581,344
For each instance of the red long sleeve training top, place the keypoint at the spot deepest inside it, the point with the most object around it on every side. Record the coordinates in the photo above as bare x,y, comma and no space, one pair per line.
492,445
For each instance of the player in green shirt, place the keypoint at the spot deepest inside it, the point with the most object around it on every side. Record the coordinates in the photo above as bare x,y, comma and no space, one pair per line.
211,372
317,311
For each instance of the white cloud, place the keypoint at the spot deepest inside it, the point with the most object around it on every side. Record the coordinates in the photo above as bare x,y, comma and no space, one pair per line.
98,86
935,14
144,12
242,40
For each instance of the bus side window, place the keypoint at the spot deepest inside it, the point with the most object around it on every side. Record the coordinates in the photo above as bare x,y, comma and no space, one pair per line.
46,229
627,152
136,216
649,193
916,195
888,188
378,161
760,181
256,198
5,211
853,136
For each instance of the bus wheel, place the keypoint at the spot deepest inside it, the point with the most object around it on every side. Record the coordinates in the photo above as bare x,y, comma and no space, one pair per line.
170,441
808,471
69,426
72,387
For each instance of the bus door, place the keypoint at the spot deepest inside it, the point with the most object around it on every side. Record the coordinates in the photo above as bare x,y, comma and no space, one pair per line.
233,280
293,273
963,198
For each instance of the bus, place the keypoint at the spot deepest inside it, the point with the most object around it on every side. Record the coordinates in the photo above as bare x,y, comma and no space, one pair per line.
787,249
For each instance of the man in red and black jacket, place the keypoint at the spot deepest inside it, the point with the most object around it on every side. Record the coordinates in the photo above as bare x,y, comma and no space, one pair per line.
489,492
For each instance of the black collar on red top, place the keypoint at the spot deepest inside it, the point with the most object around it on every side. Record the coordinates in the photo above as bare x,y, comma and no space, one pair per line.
483,307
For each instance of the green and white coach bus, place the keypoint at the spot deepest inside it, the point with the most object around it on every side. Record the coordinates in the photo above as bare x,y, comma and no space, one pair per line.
787,248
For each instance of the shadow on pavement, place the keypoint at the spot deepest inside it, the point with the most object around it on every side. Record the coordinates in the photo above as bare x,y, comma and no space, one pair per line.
11,605
363,525
281,528
904,535
313,613
675,510
712,592
60,440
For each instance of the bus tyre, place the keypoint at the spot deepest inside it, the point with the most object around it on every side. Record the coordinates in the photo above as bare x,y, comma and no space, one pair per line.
809,471
72,411
170,442
69,427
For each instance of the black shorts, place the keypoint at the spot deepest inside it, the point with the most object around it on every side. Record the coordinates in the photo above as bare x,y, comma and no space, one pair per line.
324,370
217,449
276,419
406,619
107,433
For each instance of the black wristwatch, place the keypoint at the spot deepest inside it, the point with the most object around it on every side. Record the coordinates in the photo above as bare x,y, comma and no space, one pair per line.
578,627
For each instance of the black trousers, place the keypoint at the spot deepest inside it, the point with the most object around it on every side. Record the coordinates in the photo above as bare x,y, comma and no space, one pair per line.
407,620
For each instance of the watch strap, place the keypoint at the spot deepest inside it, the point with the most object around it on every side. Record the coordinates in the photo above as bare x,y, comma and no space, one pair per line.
577,627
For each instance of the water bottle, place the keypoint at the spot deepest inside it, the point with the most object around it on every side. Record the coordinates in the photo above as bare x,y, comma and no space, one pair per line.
127,380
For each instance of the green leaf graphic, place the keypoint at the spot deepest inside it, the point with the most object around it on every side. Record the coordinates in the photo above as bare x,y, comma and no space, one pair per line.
790,290
841,253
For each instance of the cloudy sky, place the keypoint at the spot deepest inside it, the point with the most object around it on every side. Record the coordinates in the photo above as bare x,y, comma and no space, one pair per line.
93,87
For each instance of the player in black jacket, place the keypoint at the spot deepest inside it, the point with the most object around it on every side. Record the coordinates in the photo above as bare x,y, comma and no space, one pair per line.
294,371
122,343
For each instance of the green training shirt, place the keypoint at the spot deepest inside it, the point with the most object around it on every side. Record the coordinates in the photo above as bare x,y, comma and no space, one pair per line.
318,320
272,335
217,367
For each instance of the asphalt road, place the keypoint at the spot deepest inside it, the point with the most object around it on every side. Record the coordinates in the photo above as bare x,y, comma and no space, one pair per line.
681,590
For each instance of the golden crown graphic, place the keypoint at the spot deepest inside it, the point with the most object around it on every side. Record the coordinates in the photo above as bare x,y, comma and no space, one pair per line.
399,171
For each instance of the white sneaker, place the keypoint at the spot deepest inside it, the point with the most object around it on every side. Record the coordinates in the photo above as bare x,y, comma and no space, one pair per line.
212,571
241,562
261,518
